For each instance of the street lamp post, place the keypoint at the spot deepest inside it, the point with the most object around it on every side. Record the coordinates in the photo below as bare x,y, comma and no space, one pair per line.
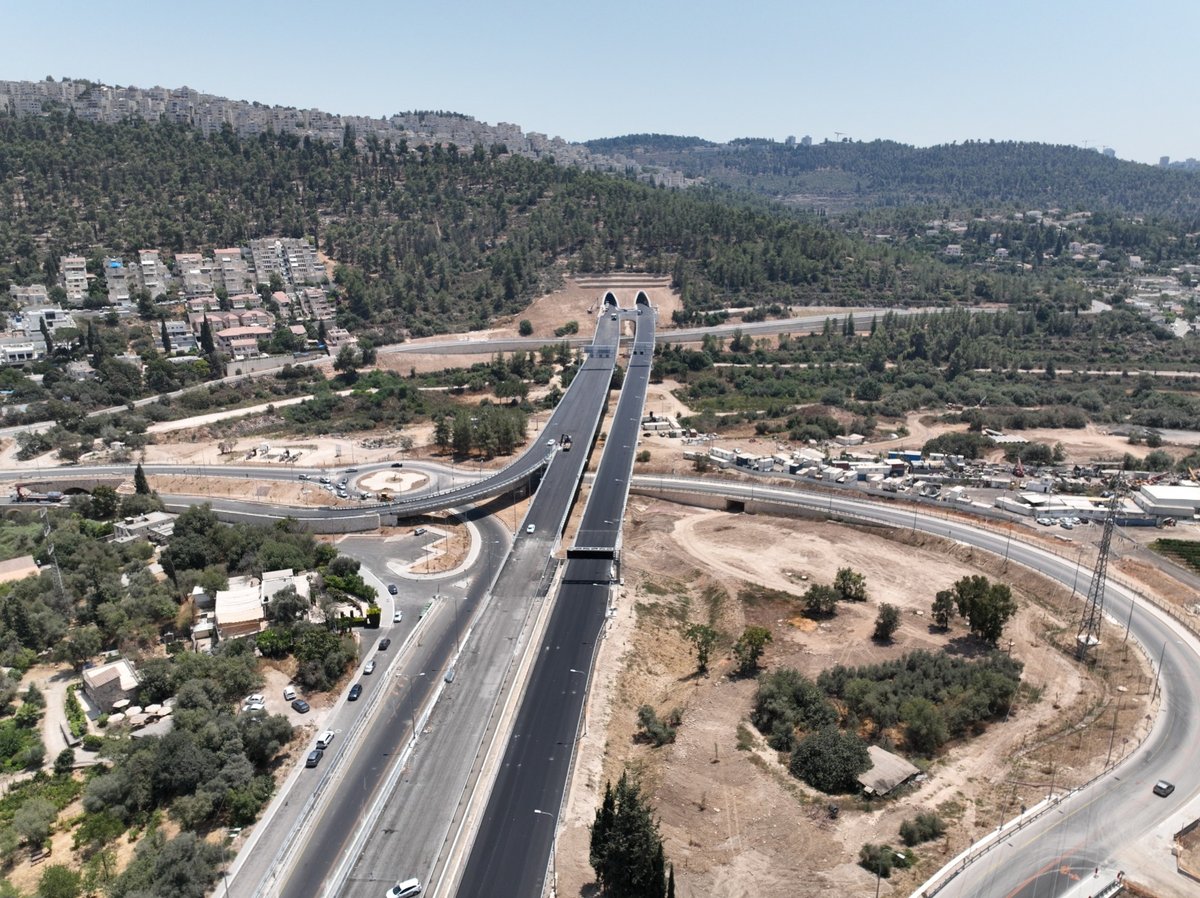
553,847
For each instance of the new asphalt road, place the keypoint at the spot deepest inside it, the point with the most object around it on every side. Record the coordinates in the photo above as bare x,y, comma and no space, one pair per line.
388,822
514,842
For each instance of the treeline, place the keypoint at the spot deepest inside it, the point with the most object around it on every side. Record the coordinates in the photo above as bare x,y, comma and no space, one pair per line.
431,238
1003,369
989,174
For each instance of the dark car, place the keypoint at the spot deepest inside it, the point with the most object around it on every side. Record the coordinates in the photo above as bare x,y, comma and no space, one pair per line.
384,643
1162,788
397,464
392,589
355,692
300,705
314,757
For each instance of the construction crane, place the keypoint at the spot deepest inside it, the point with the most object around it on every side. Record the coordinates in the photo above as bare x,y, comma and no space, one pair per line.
1088,636
840,134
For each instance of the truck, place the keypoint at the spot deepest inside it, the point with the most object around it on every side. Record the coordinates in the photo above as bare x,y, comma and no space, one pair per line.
564,442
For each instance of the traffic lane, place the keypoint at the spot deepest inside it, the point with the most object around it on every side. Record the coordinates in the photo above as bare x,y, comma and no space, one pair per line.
425,800
409,691
334,828
509,856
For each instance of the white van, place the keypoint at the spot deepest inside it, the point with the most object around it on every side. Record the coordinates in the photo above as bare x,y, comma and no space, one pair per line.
289,693
324,740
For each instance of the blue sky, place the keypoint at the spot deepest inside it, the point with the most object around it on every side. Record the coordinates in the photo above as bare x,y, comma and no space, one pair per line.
1098,73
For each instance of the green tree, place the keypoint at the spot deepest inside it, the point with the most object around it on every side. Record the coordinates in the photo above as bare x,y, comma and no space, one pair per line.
141,486
703,638
943,608
887,622
64,761
166,339
626,848
987,607
830,760
851,586
925,725
820,600
58,881
34,820
206,337
105,503
346,363
525,328
749,649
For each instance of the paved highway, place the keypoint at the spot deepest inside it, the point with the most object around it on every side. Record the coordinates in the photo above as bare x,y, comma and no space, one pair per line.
512,847
373,730
1094,825
397,822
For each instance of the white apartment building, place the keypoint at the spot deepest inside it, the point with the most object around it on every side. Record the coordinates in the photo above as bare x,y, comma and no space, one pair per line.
74,277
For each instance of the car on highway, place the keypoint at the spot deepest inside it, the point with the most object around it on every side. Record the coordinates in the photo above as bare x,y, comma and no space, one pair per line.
392,590
404,889
300,705
1163,788
369,668
397,616
314,757
355,692
352,470
326,480
384,643
325,739
304,477
397,464
530,529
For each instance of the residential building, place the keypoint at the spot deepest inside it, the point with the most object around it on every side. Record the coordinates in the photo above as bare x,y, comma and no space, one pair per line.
195,274
21,350
338,337
80,371
73,270
152,275
180,335
230,271
110,683
239,610
241,341
156,526
31,295
116,278
315,304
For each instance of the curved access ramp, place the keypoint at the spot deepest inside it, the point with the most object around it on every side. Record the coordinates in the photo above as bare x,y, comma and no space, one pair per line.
576,415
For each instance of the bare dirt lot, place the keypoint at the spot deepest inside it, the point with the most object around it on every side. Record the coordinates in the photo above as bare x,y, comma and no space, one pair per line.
734,822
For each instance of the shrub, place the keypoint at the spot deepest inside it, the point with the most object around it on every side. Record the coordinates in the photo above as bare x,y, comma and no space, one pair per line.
788,700
655,731
886,623
924,828
830,760
75,714
92,742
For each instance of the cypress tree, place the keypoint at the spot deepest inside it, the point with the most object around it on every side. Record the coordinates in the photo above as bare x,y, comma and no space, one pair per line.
141,486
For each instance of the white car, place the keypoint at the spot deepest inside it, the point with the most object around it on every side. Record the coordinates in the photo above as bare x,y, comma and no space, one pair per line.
250,707
397,616
530,529
256,699
325,739
404,889
369,668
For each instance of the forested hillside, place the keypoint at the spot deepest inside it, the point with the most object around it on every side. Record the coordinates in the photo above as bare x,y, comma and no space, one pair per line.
885,173
432,239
